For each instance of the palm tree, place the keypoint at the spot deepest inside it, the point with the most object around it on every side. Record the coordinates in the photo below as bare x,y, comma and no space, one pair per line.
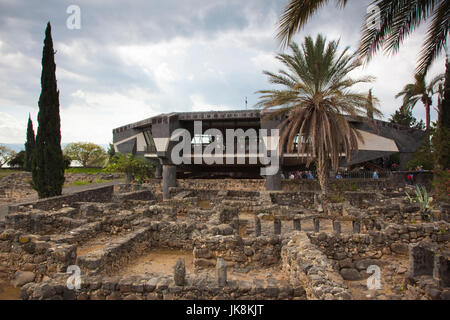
371,103
314,100
420,90
398,19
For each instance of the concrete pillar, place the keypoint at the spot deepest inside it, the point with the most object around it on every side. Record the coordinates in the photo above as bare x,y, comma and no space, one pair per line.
337,226
277,226
273,182
297,225
179,272
316,224
257,227
169,179
405,157
356,227
158,170
221,272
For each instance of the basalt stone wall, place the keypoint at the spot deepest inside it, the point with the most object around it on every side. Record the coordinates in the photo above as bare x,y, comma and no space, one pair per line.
352,254
101,194
145,194
420,177
305,264
19,251
43,222
252,252
142,287
301,198
222,184
116,253
124,249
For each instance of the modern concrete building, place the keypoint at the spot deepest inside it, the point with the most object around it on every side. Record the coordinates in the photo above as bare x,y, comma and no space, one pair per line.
152,139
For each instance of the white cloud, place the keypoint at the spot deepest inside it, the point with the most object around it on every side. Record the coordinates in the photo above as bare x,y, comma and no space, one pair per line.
132,62
11,129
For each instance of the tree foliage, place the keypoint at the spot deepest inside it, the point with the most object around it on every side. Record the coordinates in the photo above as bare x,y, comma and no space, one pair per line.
18,160
111,151
29,146
404,117
86,153
398,20
47,158
422,91
314,99
6,155
135,168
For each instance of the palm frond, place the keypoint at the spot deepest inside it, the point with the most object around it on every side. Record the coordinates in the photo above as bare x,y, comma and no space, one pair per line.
296,14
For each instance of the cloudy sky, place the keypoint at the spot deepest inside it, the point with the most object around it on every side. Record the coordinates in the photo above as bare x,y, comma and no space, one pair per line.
135,59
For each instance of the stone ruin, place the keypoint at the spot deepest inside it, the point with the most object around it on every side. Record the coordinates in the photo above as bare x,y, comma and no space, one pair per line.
206,243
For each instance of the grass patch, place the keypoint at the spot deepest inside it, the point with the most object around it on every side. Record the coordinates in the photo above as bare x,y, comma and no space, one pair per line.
101,180
80,183
7,171
84,170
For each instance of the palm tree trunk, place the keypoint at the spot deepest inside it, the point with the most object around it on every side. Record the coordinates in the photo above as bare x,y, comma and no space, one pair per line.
322,174
427,110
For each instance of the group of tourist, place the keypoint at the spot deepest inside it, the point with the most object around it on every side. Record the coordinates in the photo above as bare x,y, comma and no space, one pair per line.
298,175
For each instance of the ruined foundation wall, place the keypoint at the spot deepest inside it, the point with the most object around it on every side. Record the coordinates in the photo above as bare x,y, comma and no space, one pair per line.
101,194
142,287
305,264
253,252
352,254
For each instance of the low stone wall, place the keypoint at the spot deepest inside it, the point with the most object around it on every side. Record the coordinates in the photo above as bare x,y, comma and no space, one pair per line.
420,177
43,222
352,254
305,264
117,253
302,198
252,252
143,287
99,194
295,185
144,194
222,184
31,253
429,269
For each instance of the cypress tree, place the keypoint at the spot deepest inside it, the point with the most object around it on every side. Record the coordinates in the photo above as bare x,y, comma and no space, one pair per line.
29,146
47,162
370,105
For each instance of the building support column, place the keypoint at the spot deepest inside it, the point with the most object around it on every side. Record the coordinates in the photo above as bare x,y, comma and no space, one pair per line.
169,177
273,182
158,169
405,157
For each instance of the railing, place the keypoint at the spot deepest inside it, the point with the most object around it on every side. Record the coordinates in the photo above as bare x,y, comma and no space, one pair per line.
361,174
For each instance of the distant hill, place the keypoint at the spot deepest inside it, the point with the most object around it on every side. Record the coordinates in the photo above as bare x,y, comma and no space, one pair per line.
18,146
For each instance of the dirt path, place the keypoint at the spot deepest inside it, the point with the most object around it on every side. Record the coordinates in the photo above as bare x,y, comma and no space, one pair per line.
66,190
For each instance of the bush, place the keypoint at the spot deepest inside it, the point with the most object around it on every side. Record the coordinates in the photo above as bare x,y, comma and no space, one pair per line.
18,160
88,154
422,157
136,168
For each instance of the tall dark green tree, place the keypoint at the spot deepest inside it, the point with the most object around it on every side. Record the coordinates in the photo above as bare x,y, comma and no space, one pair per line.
29,146
48,163
441,140
403,116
